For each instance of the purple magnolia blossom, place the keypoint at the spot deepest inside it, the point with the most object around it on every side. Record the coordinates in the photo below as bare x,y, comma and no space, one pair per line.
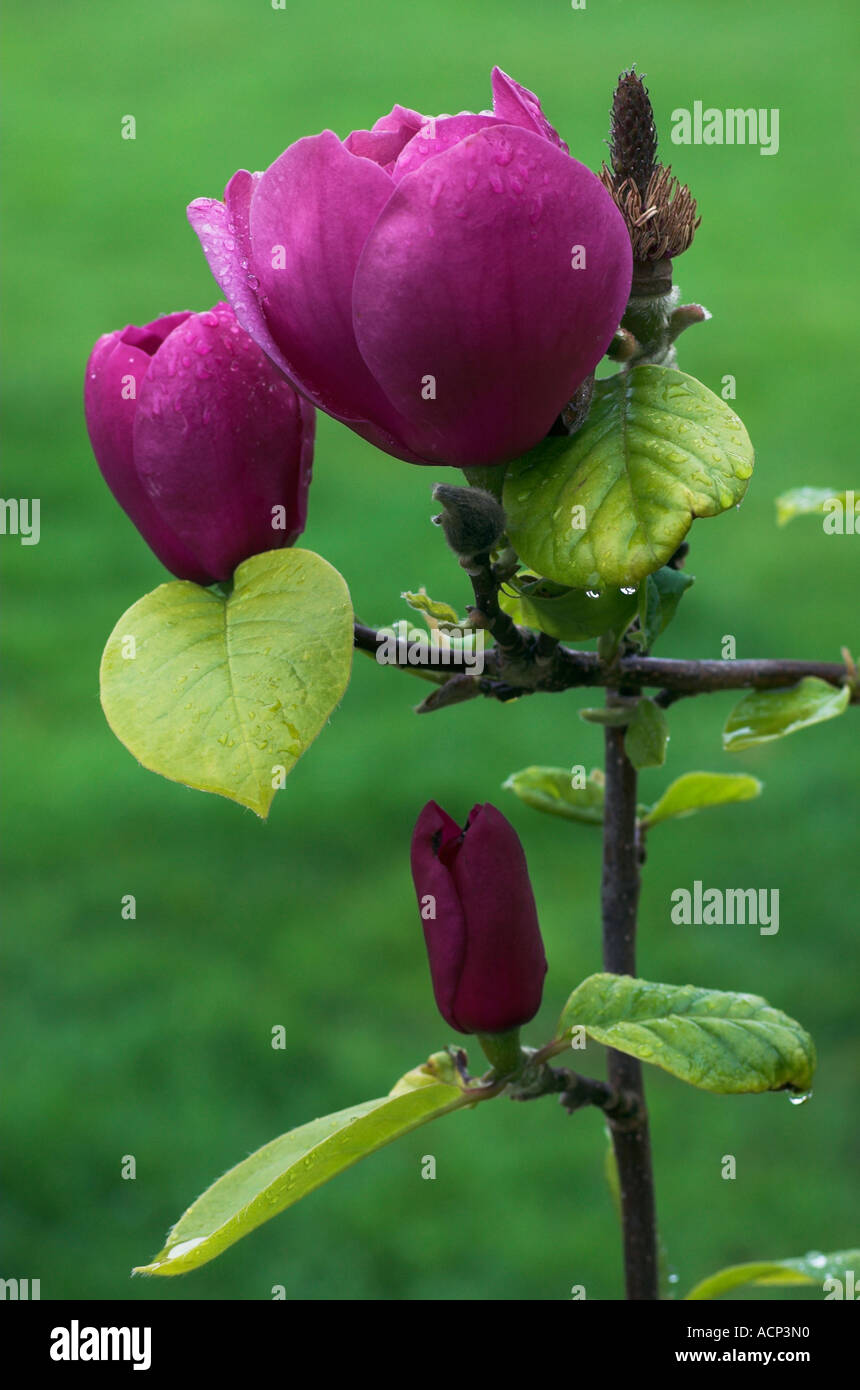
441,285
201,440
480,923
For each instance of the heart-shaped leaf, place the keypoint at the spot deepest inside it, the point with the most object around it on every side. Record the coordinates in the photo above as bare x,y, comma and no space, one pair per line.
225,694
696,790
763,715
718,1041
814,1268
613,503
288,1168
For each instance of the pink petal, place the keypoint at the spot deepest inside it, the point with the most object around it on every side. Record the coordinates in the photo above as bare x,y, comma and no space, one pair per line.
518,106
384,142
436,136
467,279
110,414
220,438
318,202
224,236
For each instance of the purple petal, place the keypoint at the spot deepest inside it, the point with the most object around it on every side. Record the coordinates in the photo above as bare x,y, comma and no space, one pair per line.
444,934
220,439
501,979
225,238
436,136
318,202
518,106
115,366
384,142
466,287
401,119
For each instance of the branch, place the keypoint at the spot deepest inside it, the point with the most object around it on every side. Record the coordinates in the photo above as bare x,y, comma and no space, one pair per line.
575,1091
523,662
619,902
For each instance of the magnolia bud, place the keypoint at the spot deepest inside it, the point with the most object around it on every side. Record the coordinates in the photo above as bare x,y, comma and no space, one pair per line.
473,520
480,923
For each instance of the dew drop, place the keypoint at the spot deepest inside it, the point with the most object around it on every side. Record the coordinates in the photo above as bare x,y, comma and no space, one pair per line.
800,1099
627,589
592,593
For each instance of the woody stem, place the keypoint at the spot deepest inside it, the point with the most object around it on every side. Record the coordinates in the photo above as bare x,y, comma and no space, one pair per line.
619,900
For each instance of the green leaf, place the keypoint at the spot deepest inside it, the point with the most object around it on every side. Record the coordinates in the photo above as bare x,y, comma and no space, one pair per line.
613,503
423,603
287,1169
549,789
763,715
697,790
647,735
718,1041
806,501
223,691
571,615
490,479
607,715
610,1173
659,597
813,1268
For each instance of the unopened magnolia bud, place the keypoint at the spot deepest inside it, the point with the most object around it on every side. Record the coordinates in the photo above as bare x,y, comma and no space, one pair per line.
473,520
480,924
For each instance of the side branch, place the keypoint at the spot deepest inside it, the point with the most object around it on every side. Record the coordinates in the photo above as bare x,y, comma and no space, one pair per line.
521,663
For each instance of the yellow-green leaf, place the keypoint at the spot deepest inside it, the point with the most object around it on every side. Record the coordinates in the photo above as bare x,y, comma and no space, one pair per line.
694,791
551,789
814,1268
763,715
287,1169
225,694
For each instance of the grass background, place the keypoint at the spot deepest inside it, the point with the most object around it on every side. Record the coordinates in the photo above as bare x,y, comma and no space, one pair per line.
152,1037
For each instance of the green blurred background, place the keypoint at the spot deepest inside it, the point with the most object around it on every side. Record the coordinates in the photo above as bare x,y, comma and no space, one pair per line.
152,1037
